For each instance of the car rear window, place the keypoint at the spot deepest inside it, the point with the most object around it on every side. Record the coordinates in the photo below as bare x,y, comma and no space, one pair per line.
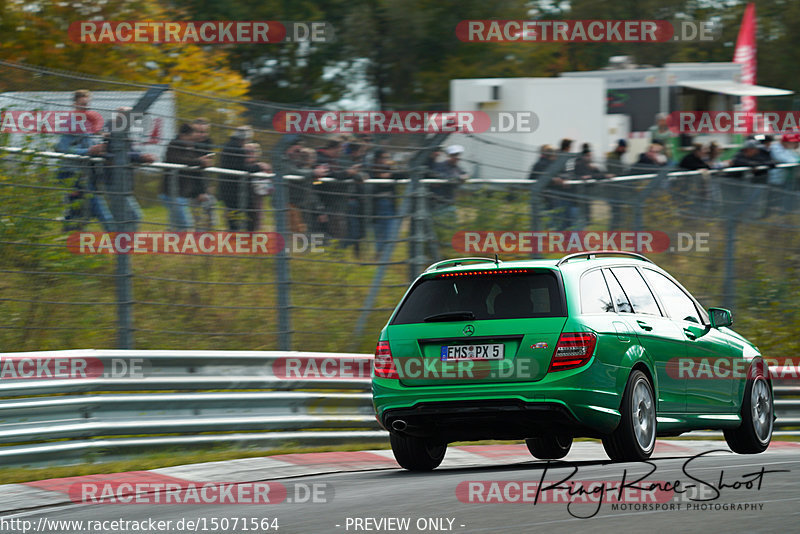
486,295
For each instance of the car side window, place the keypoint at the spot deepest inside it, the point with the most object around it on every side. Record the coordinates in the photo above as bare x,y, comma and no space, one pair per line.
617,294
677,304
640,296
595,297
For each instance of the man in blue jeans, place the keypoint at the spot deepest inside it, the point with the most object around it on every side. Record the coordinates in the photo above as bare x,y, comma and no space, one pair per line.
180,185
86,176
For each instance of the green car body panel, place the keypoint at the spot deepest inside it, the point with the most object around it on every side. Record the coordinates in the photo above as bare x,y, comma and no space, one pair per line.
583,401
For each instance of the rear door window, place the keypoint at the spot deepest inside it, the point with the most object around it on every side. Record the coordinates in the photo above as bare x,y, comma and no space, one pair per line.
618,296
637,291
483,296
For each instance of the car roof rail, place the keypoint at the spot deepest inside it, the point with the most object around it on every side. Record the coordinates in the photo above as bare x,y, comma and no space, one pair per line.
592,254
459,261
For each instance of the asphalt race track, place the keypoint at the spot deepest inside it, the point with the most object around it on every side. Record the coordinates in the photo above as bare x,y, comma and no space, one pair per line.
723,492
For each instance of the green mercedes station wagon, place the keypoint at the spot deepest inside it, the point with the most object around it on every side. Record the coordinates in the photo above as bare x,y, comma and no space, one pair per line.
602,344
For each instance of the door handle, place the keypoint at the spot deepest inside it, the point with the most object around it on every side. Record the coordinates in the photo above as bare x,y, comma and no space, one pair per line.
689,333
644,325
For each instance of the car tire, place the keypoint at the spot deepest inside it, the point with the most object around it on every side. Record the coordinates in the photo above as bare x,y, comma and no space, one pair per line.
635,437
551,447
755,433
417,454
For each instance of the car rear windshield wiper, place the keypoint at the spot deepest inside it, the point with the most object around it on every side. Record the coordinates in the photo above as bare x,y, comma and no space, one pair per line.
450,316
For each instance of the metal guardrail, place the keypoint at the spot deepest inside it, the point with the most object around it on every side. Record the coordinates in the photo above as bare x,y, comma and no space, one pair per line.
178,399
191,398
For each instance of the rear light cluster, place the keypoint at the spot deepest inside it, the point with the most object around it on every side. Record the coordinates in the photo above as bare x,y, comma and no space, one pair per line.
384,363
489,273
573,350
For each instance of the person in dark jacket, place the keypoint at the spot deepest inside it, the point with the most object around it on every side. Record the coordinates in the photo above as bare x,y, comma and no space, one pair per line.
333,193
181,186
204,202
614,163
751,155
695,159
547,156
354,162
234,190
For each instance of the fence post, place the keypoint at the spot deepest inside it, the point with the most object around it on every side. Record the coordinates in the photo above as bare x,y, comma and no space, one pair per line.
120,188
121,193
418,217
280,200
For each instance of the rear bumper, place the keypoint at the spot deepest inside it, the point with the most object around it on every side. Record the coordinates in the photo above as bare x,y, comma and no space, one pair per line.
484,419
583,402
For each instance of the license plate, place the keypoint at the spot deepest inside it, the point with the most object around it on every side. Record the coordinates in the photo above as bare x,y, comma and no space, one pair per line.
490,351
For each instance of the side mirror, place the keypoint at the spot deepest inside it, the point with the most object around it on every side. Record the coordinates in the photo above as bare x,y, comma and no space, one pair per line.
720,317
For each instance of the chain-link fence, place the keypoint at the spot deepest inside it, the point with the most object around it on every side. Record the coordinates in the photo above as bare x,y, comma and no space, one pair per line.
357,219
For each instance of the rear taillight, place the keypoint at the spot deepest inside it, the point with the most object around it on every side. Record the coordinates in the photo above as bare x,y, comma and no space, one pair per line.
573,350
384,364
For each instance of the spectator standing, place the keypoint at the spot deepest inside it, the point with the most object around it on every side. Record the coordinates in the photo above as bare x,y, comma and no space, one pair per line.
713,156
784,151
585,169
783,179
695,187
614,163
85,184
297,163
546,158
696,159
354,165
651,159
203,201
660,133
332,193
181,186
751,156
562,194
450,169
133,213
383,198
234,190
257,189
314,211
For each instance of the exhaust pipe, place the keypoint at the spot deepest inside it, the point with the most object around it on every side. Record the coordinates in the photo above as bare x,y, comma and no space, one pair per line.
399,425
